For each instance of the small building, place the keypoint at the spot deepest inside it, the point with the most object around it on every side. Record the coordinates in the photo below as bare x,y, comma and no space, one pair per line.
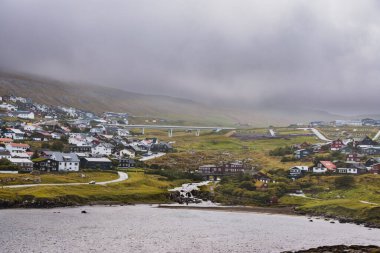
324,166
15,134
367,142
352,168
45,164
371,161
96,163
126,163
4,154
262,177
336,145
233,168
207,169
301,153
23,163
161,147
66,161
353,157
24,114
375,150
375,169
5,140
104,149
127,153
17,148
80,149
298,171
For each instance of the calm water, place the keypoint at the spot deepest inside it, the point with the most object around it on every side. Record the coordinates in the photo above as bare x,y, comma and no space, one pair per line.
148,229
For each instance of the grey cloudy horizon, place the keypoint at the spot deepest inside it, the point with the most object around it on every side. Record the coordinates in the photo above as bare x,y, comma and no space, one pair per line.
318,54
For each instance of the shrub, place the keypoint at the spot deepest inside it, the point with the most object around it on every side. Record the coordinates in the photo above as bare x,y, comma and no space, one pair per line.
344,182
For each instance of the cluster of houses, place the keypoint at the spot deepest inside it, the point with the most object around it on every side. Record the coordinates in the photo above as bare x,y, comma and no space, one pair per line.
20,154
356,152
89,141
339,123
25,108
365,146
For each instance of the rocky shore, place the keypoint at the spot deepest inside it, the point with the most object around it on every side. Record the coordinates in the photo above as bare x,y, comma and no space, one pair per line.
341,248
340,219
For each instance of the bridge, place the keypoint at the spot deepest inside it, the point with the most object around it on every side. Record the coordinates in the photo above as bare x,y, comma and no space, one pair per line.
171,128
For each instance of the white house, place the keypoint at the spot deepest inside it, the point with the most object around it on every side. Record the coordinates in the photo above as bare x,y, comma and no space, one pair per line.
127,152
16,148
298,171
24,163
24,114
30,128
67,161
103,149
123,132
4,154
8,107
56,136
98,130
15,134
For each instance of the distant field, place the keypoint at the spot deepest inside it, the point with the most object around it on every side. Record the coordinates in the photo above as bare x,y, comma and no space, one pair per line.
348,132
192,151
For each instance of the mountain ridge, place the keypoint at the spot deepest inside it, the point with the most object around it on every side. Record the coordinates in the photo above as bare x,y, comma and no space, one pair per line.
98,99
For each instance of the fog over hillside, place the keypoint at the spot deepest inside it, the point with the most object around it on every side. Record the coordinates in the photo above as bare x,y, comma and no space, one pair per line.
270,61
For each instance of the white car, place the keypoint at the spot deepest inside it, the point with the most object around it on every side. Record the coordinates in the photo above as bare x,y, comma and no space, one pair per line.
92,182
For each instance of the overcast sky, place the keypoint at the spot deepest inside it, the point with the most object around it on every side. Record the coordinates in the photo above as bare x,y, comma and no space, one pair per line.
316,54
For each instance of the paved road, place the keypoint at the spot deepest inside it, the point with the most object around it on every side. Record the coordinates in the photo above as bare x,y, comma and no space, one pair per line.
272,133
317,133
122,177
377,136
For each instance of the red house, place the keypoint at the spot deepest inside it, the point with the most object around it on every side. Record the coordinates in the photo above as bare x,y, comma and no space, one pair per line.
353,158
337,144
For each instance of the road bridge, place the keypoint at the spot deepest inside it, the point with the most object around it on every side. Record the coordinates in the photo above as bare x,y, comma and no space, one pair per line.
171,128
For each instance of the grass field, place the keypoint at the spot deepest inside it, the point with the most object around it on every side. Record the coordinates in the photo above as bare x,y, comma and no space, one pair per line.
360,202
192,151
57,178
139,188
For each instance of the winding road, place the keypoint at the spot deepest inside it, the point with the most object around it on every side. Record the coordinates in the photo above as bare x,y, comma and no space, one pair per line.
122,177
317,133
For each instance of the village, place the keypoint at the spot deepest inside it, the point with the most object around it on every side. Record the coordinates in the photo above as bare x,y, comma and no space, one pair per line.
36,137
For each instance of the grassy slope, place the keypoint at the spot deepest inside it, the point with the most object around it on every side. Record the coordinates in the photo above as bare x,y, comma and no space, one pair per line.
211,147
50,178
347,203
139,188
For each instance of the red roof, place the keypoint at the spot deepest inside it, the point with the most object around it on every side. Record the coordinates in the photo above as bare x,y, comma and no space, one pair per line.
21,145
6,140
328,165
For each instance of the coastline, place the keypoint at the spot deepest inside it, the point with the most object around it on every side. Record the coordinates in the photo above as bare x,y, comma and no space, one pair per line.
78,202
255,209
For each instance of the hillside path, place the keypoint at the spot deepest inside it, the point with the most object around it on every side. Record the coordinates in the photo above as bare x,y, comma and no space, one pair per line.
122,177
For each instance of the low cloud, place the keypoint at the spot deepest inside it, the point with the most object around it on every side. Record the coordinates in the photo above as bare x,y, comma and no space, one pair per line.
311,54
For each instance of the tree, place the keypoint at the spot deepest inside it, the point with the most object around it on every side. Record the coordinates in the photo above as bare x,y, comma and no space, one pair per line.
344,182
5,162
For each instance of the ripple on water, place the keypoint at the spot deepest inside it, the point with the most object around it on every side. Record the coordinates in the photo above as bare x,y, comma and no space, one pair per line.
147,229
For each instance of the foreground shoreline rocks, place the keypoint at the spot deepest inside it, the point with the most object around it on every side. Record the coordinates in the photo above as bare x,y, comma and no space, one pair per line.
339,249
